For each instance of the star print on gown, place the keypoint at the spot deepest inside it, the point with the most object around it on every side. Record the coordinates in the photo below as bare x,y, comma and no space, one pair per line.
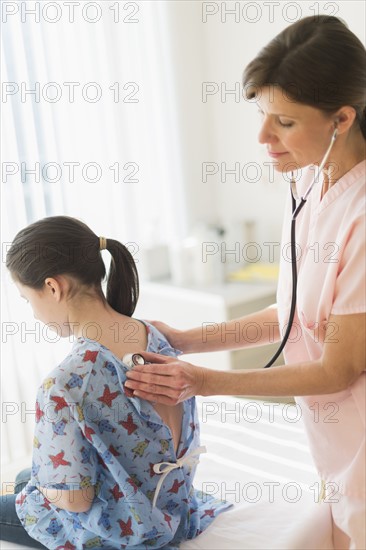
108,396
58,460
90,432
129,425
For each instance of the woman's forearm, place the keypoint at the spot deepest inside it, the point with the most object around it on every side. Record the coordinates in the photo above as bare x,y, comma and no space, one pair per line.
308,378
256,329
168,380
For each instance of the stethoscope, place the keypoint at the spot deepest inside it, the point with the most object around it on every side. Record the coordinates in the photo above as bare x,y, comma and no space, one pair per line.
296,209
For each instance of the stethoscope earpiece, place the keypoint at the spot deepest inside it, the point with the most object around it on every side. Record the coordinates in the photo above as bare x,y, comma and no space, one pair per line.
335,132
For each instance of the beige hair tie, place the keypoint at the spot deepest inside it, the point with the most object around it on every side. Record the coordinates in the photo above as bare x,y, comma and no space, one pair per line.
102,243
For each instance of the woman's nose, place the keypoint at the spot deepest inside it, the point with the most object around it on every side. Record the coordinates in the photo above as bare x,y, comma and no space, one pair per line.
266,134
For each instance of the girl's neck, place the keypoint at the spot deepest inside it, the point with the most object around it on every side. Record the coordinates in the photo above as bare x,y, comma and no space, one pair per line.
95,318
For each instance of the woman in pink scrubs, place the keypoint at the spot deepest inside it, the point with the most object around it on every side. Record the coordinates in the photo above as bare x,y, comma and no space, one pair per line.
308,81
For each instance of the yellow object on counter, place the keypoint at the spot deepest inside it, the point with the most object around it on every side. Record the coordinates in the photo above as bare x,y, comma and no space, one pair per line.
256,272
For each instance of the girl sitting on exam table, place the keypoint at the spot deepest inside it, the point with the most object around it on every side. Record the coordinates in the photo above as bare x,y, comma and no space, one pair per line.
109,470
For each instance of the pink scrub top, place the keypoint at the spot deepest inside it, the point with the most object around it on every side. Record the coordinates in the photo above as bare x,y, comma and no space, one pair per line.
331,261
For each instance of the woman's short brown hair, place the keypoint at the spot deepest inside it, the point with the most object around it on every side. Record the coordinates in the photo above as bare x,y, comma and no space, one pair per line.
317,61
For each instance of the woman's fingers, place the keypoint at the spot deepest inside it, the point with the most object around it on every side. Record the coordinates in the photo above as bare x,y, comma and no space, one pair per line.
162,327
155,358
145,372
169,381
162,399
157,379
159,388
149,377
173,335
155,390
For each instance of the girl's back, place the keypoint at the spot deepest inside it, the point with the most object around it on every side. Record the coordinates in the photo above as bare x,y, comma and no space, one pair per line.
132,336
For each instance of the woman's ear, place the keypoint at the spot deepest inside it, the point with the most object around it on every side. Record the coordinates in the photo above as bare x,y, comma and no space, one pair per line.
344,118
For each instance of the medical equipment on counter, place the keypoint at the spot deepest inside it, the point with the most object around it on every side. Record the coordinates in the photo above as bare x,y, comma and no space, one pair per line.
196,261
295,212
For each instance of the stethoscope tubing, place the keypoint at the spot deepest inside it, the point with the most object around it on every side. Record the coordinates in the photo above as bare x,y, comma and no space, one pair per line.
295,212
296,209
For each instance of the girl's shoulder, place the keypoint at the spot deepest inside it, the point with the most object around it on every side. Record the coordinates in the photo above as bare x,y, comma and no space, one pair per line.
73,374
157,343
89,361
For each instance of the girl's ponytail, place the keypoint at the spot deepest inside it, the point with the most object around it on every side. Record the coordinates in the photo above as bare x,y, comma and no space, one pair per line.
123,280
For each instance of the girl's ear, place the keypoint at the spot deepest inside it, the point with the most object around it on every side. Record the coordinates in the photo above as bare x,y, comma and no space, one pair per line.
53,287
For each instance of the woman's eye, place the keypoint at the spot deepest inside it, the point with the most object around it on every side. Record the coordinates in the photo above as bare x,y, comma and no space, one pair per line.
286,124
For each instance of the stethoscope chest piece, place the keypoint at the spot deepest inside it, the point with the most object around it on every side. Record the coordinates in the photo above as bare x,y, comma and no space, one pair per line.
132,359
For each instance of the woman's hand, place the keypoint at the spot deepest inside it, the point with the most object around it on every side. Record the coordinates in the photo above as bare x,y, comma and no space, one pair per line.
174,336
166,380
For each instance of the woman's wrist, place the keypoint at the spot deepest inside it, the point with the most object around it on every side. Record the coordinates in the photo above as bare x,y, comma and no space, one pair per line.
208,382
180,341
186,340
217,382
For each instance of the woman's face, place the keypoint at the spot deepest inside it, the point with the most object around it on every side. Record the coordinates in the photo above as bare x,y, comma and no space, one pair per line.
295,134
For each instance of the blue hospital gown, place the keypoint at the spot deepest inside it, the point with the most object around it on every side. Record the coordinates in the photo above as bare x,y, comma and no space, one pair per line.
89,432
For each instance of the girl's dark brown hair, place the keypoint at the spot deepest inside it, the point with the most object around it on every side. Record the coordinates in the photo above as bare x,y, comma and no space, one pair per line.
61,245
317,61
